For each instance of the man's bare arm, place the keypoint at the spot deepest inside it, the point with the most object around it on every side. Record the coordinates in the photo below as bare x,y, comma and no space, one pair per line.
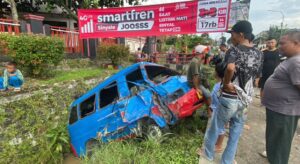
229,72
196,81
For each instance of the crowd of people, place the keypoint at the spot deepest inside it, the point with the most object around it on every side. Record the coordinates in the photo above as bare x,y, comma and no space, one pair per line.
275,71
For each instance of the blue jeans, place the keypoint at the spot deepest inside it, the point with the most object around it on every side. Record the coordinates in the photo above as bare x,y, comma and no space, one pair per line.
205,92
13,81
221,130
229,110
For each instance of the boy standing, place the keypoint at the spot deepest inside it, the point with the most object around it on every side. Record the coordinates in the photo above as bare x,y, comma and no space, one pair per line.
12,78
219,73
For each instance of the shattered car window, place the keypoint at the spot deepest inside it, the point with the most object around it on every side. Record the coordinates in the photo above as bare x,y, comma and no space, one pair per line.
87,107
158,74
73,115
135,81
109,95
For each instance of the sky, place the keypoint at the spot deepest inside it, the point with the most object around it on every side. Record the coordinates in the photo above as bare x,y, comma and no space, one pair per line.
259,15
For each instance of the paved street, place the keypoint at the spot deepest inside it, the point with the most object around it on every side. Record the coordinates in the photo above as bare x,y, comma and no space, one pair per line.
252,141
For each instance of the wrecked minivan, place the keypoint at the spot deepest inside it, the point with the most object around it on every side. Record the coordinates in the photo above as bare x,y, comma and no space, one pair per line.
142,99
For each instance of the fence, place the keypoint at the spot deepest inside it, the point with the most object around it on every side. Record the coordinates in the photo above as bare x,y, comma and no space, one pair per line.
9,26
73,44
172,58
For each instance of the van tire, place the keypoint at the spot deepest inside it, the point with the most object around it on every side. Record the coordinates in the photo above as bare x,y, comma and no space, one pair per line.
154,131
148,128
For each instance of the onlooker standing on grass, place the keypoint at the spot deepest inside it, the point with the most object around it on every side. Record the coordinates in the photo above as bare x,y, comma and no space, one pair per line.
195,76
243,66
12,78
271,61
282,100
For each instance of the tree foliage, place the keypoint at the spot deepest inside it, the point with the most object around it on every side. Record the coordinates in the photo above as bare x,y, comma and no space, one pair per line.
223,39
69,7
116,53
190,41
275,32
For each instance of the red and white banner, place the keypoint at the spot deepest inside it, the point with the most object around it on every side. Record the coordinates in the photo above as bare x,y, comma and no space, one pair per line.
188,17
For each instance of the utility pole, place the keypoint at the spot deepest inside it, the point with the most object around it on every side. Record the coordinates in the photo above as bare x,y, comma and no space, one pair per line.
282,19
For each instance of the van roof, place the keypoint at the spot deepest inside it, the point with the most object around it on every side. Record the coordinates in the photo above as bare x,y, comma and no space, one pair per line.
111,79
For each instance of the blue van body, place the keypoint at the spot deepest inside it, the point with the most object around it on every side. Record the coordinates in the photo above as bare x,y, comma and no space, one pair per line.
111,110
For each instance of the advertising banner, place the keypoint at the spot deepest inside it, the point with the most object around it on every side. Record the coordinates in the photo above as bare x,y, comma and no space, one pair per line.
238,11
166,19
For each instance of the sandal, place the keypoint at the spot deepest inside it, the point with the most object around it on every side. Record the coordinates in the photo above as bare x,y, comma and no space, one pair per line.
246,127
263,154
199,152
219,150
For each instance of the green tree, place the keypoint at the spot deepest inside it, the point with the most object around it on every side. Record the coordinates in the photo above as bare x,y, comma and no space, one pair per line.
171,40
69,7
275,32
187,40
116,53
205,35
223,39
194,40
13,9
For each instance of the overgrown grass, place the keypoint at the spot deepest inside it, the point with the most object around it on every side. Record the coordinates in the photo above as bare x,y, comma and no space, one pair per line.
77,74
30,126
177,147
34,130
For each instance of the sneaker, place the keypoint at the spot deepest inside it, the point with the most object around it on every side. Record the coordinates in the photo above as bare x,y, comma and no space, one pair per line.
17,89
263,154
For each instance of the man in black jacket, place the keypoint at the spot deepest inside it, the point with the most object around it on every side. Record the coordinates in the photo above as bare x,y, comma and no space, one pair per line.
271,61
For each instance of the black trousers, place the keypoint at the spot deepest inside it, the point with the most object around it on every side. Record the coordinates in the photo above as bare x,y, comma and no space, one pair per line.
279,136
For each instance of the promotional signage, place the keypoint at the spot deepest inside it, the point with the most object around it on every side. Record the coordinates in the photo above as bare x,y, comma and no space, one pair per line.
167,19
238,11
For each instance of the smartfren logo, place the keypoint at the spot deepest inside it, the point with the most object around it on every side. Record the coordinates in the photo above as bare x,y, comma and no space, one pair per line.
88,27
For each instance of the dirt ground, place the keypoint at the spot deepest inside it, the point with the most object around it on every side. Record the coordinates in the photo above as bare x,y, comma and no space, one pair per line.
252,141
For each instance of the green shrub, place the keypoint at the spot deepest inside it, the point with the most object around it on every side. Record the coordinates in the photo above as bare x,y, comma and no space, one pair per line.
114,52
4,39
36,54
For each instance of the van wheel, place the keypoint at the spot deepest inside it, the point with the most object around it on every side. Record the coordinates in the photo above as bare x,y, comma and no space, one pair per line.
91,145
154,131
147,128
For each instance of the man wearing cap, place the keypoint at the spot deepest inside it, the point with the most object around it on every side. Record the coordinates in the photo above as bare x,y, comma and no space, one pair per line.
243,66
195,73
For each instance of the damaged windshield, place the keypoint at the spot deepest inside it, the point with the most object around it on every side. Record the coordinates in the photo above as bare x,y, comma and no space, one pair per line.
158,74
